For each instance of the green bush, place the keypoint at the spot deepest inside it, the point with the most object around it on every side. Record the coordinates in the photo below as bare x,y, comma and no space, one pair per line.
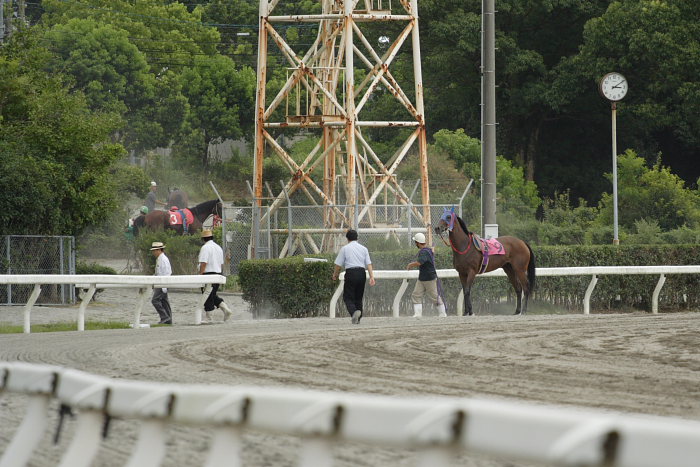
93,268
286,288
292,288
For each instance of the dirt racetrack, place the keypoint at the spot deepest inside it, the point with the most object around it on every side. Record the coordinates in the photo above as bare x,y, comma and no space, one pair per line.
636,362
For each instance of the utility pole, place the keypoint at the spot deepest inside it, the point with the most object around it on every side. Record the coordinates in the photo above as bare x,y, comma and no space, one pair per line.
488,119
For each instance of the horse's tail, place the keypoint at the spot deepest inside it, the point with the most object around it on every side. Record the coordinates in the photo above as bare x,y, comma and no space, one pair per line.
531,270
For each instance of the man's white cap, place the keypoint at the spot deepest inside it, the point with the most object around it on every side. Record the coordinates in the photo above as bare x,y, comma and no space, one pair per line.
419,237
154,184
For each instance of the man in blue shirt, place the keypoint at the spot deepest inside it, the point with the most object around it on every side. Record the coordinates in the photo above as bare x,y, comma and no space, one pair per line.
354,258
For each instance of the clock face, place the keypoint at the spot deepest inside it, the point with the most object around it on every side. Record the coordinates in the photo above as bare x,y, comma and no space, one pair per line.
613,86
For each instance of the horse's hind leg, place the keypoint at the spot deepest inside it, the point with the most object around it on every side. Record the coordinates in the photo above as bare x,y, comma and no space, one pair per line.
523,280
508,268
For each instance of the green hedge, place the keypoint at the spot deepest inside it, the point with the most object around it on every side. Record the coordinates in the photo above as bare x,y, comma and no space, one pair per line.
292,288
286,288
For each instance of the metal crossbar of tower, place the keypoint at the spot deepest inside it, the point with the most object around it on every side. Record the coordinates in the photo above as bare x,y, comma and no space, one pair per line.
326,98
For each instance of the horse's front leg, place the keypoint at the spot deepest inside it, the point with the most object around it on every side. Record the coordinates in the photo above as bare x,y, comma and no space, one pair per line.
467,282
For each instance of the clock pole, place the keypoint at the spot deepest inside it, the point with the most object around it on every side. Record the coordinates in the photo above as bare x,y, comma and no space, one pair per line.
613,86
613,106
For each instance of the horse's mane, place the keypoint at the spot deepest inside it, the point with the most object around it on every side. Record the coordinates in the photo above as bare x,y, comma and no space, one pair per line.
207,206
462,224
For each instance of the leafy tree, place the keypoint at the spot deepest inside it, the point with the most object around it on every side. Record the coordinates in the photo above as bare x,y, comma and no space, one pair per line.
126,56
656,45
564,224
650,193
515,193
221,101
55,153
532,37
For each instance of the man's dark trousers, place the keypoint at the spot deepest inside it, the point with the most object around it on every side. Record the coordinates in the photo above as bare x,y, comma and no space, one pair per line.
354,289
213,301
162,305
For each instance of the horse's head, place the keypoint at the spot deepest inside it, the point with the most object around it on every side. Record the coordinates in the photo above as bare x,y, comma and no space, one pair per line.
446,222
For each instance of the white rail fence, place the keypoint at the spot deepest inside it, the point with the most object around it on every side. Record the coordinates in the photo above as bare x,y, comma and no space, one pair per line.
436,428
593,271
90,283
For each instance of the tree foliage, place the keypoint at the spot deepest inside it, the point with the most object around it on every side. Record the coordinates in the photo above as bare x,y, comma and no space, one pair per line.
55,154
650,194
515,193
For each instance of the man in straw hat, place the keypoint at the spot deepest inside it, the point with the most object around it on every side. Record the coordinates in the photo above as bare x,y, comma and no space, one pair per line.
160,295
427,278
211,261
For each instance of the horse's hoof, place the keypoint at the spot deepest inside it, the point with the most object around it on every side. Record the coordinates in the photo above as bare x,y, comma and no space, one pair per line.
517,313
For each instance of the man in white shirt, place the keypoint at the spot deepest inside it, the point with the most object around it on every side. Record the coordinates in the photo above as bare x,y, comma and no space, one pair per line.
160,295
211,261
354,258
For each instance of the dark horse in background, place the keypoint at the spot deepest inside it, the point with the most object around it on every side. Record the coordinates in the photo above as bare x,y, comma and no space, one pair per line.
518,261
159,220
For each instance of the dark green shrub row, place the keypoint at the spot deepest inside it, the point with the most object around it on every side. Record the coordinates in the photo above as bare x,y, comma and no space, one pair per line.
93,268
287,288
292,288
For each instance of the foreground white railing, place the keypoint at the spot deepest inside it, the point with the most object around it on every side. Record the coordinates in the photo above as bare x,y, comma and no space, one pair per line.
593,271
90,283
437,428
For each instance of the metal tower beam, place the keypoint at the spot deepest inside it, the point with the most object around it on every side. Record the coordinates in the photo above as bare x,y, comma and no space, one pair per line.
324,95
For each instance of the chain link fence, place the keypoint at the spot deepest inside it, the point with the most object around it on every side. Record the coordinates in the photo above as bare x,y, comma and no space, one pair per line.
300,230
36,254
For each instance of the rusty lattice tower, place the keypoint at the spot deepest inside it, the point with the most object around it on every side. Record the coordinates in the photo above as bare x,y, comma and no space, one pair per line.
321,94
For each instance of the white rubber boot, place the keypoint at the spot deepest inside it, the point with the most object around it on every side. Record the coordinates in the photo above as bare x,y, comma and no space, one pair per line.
227,311
441,310
417,310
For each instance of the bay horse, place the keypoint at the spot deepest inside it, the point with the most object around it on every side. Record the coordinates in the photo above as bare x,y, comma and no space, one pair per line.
159,220
518,262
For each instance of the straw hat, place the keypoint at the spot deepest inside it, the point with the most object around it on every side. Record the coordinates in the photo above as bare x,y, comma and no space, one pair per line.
157,246
207,233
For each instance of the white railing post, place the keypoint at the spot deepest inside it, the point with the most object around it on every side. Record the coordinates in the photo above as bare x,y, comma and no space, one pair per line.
587,296
336,296
150,447
655,296
397,299
28,308
83,305
86,440
226,448
143,296
29,433
316,452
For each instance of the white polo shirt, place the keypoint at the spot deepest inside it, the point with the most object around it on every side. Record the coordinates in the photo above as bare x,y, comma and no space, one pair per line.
353,255
213,255
163,268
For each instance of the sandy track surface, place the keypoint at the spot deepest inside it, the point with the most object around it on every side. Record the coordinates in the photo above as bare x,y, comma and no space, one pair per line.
638,363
